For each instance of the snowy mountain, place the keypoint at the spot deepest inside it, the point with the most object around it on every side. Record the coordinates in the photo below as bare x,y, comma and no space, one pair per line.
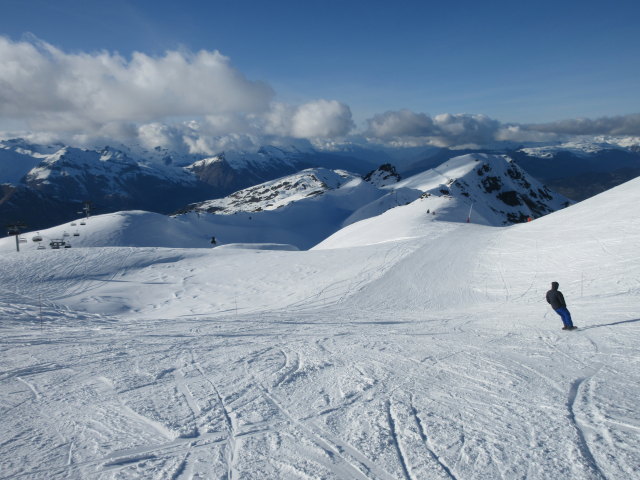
430,353
46,185
582,168
494,186
577,168
277,193
306,208
501,192
383,176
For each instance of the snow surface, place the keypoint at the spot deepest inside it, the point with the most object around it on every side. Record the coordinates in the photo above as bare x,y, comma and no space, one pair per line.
279,193
401,347
16,162
583,146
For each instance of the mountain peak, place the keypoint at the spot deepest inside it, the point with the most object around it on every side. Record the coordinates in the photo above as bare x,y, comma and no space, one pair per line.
497,190
278,193
383,176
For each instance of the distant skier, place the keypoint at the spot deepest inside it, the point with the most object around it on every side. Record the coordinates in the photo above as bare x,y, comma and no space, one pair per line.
556,300
213,240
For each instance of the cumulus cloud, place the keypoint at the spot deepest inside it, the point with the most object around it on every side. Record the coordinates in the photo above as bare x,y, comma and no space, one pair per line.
322,118
316,119
618,125
193,137
53,89
156,134
198,102
83,96
401,123
465,129
520,134
407,128
443,130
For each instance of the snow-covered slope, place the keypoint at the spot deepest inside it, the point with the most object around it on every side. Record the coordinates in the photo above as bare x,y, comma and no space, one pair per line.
17,158
481,188
582,146
305,208
429,357
278,193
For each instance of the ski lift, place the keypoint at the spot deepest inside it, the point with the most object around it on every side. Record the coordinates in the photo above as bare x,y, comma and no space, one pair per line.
41,247
36,238
83,223
65,234
76,234
22,240
67,245
73,224
56,244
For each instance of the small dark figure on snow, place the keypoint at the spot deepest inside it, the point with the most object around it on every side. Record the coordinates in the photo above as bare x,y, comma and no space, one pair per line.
213,240
556,300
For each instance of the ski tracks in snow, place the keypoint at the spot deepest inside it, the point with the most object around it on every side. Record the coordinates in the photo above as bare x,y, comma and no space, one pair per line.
582,444
360,398
596,443
415,452
344,458
230,424
340,456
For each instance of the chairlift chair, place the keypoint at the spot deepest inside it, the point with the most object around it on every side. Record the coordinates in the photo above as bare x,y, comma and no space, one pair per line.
22,240
83,223
67,245
41,247
36,238
65,234
76,234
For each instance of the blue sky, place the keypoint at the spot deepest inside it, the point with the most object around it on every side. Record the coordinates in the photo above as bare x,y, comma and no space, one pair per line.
524,62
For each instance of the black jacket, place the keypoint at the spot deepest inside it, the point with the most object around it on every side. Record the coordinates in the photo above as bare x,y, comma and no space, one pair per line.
556,299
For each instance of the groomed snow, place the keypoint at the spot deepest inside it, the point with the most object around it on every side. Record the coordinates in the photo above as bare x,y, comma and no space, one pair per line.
401,347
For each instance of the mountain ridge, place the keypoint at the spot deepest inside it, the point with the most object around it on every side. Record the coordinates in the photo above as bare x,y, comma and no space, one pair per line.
306,208
44,185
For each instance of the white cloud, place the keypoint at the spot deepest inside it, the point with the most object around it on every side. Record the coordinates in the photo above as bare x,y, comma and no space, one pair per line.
398,124
322,118
199,103
519,133
64,91
618,125
464,129
156,134
193,137
404,128
81,96
445,130
316,119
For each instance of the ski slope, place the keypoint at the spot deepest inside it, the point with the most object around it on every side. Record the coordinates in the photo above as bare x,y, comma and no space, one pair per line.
398,348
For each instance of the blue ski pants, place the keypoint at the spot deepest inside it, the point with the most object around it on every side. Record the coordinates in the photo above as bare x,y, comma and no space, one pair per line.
565,315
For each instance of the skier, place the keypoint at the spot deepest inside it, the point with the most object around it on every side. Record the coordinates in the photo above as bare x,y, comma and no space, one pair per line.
556,300
213,240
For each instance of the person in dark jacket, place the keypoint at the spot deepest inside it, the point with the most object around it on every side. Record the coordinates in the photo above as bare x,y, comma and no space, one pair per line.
556,300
